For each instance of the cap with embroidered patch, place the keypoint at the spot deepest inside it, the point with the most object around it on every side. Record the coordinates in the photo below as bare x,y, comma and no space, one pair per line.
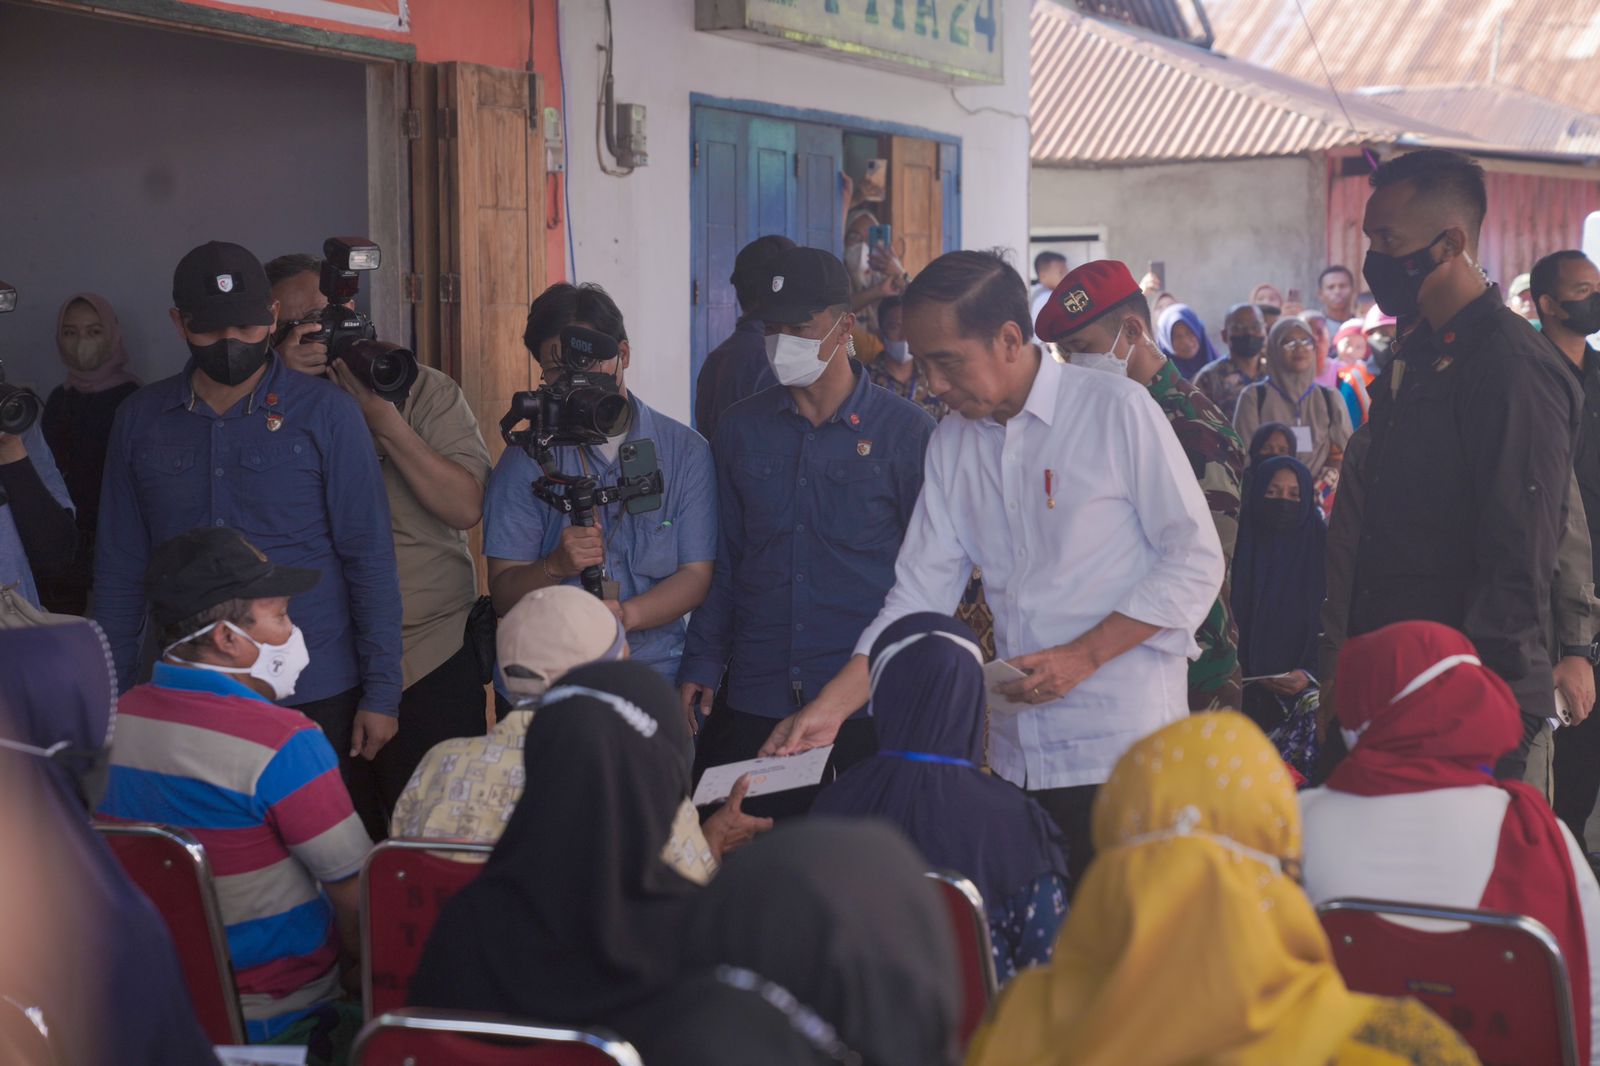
218,285
1083,296
804,281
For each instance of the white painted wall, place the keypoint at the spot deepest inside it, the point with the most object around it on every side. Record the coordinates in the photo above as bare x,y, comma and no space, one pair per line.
632,233
1221,228
123,146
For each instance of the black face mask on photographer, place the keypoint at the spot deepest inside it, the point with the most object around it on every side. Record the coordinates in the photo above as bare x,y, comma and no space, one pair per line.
1396,280
230,361
1582,316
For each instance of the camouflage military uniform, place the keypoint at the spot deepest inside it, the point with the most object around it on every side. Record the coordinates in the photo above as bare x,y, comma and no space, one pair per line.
1217,455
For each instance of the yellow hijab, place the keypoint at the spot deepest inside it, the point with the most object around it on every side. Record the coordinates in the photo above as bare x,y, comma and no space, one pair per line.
1186,943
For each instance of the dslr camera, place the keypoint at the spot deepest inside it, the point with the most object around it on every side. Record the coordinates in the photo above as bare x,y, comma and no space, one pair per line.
19,407
579,407
387,369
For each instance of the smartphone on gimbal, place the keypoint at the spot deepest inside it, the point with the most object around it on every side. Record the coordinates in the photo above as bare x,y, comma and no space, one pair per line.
639,460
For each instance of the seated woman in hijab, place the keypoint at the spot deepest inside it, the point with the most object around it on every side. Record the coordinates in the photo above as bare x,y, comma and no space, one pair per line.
77,426
928,702
1182,337
1190,942
1414,813
1279,582
576,914
1317,415
832,916
83,946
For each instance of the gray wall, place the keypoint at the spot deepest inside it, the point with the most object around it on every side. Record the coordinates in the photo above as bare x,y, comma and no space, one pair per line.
1221,228
122,147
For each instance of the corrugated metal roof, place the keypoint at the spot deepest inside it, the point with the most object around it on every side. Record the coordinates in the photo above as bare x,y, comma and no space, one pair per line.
1185,22
1106,95
1496,113
1549,48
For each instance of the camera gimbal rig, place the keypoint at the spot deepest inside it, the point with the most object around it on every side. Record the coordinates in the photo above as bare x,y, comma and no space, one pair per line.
578,496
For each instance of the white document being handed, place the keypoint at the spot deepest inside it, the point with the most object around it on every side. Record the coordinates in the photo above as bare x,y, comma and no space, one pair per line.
998,672
772,774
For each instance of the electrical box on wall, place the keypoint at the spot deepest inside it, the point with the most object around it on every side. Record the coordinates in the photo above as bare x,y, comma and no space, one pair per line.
555,149
632,150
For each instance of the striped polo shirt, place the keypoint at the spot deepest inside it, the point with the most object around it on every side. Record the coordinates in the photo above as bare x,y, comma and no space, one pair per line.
259,786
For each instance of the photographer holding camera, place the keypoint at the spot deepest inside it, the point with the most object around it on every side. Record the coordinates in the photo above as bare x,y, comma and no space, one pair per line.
238,441
434,464
658,564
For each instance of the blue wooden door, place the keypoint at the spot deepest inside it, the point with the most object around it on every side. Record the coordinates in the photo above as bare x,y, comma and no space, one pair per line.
950,189
753,175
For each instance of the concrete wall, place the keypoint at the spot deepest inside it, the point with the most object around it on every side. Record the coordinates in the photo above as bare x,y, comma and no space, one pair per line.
126,146
1221,228
632,234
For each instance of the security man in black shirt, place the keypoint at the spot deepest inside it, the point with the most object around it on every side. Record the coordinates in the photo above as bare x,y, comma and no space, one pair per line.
1473,432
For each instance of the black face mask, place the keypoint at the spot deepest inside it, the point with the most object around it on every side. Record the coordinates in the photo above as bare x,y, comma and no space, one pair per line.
1245,345
1280,516
1396,280
1583,316
230,361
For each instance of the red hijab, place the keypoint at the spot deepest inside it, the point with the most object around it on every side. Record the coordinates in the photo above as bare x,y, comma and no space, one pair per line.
1431,715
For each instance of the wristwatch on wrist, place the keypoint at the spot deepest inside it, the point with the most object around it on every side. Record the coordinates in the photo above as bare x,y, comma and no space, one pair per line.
1588,652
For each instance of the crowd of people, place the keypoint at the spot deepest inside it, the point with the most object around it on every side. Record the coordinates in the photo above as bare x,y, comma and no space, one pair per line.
1287,618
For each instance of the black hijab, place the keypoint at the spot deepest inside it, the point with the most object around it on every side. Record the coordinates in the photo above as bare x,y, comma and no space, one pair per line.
575,914
731,1017
1279,579
81,943
840,913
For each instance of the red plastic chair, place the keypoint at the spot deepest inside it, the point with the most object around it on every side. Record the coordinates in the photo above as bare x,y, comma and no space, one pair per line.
970,924
1500,982
170,866
404,885
412,1037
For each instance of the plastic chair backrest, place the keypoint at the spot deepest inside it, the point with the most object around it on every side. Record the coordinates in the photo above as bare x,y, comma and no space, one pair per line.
404,885
974,949
170,867
413,1037
1500,981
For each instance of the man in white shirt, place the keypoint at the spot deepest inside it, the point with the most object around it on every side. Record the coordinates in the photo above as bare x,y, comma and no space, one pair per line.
1048,270
1072,493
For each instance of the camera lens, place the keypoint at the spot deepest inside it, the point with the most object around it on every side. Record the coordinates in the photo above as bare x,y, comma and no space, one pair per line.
609,413
386,369
19,409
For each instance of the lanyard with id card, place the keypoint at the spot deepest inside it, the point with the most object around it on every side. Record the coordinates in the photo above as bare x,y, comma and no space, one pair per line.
1302,440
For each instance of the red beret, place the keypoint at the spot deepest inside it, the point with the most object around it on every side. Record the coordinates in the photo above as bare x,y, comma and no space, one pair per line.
1083,296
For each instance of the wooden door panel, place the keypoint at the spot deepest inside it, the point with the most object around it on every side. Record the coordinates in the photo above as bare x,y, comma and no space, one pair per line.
494,187
915,200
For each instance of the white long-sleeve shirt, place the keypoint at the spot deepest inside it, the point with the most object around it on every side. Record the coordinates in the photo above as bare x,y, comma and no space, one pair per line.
1129,533
1436,847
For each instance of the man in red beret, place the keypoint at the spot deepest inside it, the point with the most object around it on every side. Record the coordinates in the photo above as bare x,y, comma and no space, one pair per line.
1092,339
1071,492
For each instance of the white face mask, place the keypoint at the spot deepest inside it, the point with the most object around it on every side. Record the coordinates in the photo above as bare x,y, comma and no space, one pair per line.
899,351
277,665
794,359
1107,361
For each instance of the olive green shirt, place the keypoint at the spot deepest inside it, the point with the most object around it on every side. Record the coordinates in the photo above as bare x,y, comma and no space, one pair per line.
438,579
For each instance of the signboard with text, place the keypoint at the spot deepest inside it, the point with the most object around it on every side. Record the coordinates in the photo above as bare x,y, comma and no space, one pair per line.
374,14
946,40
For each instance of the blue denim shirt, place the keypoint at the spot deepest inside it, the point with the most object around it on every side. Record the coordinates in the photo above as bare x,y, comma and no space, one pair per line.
641,550
735,370
14,568
292,467
810,521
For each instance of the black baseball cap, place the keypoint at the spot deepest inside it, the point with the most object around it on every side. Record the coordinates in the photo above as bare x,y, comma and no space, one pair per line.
218,285
804,281
752,267
197,570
